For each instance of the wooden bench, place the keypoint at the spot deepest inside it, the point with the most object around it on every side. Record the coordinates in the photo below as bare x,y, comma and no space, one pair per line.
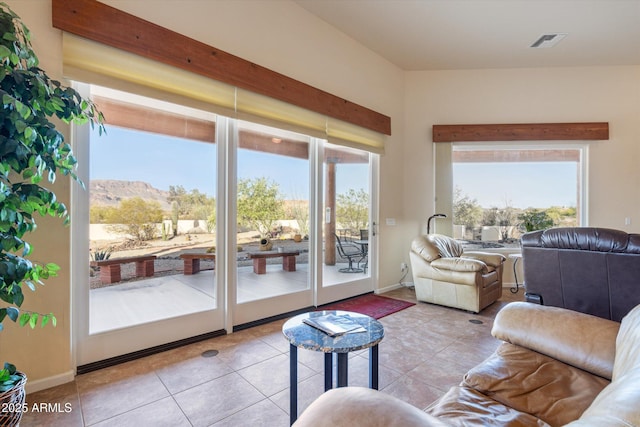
192,262
110,268
260,260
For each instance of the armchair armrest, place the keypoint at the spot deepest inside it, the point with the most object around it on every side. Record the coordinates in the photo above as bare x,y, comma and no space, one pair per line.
462,265
359,406
581,340
492,259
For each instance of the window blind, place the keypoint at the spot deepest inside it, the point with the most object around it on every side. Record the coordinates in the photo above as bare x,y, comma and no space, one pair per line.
95,63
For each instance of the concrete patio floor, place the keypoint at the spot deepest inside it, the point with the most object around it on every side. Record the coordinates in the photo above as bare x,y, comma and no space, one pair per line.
150,299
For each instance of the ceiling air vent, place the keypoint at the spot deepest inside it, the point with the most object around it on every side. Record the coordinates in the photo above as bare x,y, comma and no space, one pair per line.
548,40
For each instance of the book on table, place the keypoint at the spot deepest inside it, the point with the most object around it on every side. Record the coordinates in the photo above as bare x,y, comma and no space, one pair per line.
335,324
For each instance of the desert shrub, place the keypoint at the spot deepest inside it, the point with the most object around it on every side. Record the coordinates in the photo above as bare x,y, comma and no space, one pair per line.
259,204
137,218
352,209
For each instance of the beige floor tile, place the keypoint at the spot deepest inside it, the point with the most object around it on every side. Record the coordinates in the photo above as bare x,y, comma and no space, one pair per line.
308,391
105,397
62,408
163,413
426,350
263,414
191,372
413,391
247,353
272,376
217,399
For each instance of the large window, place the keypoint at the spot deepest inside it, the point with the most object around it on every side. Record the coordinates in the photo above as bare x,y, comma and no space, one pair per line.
502,191
152,201
272,209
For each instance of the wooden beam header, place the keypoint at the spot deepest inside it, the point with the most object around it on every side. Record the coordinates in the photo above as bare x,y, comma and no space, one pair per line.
522,132
105,24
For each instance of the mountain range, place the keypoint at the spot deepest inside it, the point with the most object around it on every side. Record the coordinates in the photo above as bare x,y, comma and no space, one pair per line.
109,192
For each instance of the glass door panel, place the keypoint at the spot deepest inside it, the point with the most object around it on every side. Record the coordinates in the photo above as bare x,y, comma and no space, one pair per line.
346,222
272,207
151,226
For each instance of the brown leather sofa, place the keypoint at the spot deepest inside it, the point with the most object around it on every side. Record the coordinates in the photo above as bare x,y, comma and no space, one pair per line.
591,270
555,367
443,274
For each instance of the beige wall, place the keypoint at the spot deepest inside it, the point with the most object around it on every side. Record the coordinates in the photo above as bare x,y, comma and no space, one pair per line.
610,94
277,34
44,353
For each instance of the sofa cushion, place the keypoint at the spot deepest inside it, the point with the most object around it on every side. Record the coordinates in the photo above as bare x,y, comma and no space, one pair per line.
628,344
358,406
491,259
578,339
536,384
459,264
617,406
465,407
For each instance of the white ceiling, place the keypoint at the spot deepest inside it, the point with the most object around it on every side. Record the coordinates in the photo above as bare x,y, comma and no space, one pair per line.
466,34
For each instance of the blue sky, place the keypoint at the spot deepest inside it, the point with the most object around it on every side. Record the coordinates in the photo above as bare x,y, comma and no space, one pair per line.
524,185
163,161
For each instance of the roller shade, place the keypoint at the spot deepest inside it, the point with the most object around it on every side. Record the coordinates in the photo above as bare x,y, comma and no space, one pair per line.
347,134
95,63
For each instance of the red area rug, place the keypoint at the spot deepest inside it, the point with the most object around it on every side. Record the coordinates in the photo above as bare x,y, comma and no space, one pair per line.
372,305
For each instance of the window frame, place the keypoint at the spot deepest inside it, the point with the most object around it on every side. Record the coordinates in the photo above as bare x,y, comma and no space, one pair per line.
443,174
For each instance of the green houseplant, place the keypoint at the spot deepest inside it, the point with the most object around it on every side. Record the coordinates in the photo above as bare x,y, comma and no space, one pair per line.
32,150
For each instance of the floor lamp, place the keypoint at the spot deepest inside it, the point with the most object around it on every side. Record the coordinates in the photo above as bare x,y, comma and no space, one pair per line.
432,217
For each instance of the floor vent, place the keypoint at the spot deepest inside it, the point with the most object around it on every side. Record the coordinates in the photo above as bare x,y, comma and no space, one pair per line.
548,40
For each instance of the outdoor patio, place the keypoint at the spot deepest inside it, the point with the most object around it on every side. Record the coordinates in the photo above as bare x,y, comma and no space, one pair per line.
150,299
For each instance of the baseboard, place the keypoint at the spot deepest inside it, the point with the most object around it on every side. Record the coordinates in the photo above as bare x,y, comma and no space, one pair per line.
45,383
389,288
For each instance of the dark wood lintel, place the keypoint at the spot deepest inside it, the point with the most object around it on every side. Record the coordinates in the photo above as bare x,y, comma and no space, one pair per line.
105,24
522,132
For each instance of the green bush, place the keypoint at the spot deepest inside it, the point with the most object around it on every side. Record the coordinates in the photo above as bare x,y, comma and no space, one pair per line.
136,217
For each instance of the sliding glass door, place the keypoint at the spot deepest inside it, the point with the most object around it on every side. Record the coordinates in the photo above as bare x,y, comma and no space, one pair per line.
272,202
145,229
195,224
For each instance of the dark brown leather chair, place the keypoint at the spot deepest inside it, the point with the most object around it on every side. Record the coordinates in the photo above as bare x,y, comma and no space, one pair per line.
586,269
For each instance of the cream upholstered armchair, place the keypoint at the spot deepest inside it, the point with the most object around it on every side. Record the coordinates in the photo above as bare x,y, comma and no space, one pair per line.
443,274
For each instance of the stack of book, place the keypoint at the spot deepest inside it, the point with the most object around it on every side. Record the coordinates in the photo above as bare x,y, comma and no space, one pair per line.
335,324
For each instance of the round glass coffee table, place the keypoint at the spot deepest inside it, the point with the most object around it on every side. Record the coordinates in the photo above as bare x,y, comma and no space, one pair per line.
304,336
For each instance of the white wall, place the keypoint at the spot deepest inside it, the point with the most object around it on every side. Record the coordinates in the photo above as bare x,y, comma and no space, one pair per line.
610,94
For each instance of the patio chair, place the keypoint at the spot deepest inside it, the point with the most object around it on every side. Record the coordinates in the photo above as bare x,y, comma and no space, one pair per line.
351,252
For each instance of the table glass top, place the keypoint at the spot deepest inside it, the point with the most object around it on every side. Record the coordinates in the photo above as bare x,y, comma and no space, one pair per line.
304,336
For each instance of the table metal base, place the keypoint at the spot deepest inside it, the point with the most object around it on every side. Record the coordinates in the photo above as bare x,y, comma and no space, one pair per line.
342,362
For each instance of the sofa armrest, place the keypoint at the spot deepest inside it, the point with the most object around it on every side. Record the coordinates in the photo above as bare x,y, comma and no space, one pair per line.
581,340
359,406
462,265
494,260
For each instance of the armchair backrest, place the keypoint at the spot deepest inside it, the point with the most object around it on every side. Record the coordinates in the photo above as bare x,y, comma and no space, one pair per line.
434,246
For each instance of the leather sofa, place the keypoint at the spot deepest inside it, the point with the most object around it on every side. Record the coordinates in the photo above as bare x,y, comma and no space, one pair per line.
443,274
554,367
591,270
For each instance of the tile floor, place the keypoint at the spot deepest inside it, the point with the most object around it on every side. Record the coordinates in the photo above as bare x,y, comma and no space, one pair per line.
425,351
